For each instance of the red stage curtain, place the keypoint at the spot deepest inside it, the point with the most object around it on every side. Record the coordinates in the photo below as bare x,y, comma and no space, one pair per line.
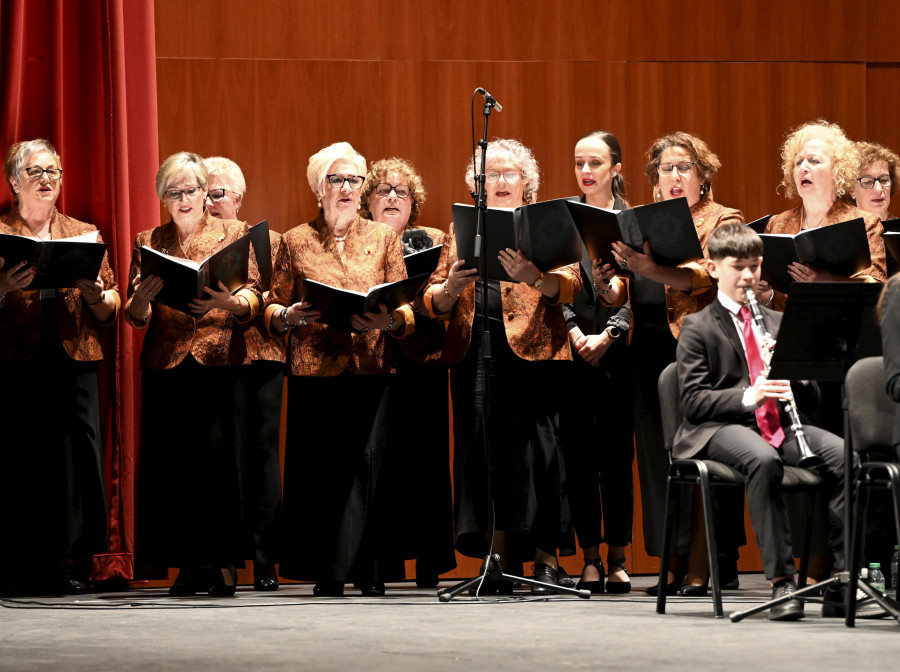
83,75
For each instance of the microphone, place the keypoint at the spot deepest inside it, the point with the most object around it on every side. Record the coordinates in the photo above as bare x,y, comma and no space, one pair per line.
489,99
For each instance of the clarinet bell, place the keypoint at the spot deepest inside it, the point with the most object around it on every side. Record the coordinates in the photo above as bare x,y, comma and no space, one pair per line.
812,462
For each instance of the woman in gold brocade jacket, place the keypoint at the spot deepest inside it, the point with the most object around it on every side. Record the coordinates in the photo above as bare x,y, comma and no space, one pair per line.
530,351
336,381
52,491
189,507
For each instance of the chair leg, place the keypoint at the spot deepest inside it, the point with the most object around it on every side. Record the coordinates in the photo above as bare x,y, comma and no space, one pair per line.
857,516
807,537
894,479
671,517
711,546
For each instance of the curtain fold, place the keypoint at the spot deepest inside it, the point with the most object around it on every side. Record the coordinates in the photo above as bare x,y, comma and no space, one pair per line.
83,75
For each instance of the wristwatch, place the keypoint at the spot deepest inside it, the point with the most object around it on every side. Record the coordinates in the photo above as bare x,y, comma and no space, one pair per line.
539,282
614,333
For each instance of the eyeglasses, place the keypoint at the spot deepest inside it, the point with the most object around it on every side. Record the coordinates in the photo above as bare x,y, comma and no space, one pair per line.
36,172
683,167
869,182
176,194
509,176
337,181
384,190
216,195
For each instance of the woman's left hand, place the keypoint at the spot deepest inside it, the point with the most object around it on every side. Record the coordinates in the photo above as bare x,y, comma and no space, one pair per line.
518,267
801,273
92,291
372,321
220,298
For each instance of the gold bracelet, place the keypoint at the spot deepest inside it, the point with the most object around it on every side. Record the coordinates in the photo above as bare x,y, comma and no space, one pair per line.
447,292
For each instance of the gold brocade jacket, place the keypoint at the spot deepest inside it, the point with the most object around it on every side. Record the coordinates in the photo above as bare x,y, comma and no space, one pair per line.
261,346
535,327
789,222
20,317
372,256
707,215
213,339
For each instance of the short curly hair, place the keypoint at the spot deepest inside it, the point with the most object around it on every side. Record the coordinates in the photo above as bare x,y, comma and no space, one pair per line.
177,166
16,155
706,162
380,171
228,170
519,155
844,155
870,152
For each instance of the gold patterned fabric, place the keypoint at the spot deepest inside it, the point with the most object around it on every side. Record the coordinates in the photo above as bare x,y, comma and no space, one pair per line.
20,318
790,221
260,344
707,215
213,339
372,255
535,327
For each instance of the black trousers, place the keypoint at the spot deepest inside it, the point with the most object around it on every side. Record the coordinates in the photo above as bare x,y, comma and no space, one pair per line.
745,450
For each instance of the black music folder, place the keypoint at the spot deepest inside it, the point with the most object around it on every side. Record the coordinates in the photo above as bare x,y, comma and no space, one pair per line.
262,248
423,261
891,238
842,249
184,280
544,232
759,225
667,225
59,263
339,305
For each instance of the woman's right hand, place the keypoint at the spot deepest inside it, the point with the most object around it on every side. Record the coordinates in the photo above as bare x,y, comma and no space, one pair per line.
16,276
458,279
146,290
301,313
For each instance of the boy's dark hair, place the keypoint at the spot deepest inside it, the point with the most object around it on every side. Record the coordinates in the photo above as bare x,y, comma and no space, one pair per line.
734,240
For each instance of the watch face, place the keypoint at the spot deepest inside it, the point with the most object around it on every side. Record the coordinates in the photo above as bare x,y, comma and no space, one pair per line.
614,333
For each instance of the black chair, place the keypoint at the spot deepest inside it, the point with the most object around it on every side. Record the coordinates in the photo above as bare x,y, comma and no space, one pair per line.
868,421
708,474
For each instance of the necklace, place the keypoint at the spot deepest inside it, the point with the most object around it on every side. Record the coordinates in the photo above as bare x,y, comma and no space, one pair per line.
36,234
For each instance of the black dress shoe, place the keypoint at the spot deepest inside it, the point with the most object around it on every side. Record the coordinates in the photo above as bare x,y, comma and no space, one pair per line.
728,572
329,588
595,587
671,588
787,611
222,589
185,583
618,587
372,589
692,590
545,574
69,584
265,584
427,580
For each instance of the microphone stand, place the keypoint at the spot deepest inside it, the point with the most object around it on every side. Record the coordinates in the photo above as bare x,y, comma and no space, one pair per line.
492,570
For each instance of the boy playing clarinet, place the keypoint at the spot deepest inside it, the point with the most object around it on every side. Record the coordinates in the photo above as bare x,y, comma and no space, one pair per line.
733,414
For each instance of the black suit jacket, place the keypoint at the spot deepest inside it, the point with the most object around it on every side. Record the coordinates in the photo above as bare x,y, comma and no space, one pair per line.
712,376
890,342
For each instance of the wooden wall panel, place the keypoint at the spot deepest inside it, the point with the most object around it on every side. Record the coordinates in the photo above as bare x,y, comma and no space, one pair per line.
883,102
712,30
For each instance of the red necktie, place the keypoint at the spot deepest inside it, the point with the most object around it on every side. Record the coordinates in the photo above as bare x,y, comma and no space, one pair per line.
767,417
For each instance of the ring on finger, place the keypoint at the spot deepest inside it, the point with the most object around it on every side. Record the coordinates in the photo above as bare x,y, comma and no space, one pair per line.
302,321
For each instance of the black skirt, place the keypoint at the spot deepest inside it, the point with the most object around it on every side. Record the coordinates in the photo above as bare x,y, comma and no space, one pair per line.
189,507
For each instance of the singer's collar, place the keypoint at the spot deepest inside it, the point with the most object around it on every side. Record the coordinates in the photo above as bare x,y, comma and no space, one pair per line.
730,304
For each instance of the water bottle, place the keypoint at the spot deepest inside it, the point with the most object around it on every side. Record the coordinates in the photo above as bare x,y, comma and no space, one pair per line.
895,567
876,578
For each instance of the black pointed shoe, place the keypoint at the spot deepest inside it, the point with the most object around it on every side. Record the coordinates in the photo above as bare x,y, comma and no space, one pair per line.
545,574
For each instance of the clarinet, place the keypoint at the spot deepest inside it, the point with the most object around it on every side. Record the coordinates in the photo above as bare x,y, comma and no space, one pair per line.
808,459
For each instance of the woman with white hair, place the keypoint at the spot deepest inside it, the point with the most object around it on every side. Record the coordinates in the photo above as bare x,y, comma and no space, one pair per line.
258,397
189,507
523,472
336,380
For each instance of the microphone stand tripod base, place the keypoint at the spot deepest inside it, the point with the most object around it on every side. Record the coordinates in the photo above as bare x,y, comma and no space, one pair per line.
494,572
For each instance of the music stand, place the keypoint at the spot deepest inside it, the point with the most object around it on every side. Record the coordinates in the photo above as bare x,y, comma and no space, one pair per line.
826,327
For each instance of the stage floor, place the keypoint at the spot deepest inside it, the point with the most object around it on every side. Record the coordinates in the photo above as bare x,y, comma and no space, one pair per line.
409,629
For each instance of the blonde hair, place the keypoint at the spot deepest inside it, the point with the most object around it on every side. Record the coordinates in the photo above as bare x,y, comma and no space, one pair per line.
178,165
18,152
381,171
870,152
843,153
321,161
519,155
228,170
